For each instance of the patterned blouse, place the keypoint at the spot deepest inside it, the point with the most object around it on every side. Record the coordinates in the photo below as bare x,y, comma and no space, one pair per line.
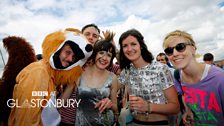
148,82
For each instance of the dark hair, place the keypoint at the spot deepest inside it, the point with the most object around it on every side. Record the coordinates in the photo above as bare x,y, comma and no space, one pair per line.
146,54
90,25
208,57
103,45
166,58
162,54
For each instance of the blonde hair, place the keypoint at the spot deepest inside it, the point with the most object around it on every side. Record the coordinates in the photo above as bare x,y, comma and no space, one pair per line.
178,33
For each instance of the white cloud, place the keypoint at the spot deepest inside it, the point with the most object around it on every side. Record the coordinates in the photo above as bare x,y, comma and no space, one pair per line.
155,18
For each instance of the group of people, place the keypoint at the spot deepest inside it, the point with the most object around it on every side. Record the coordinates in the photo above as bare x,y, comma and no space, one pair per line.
150,86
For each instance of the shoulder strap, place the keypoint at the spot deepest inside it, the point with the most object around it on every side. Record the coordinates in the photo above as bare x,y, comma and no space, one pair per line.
177,75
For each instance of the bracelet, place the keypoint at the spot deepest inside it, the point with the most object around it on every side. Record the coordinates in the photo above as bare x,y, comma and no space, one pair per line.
149,111
149,108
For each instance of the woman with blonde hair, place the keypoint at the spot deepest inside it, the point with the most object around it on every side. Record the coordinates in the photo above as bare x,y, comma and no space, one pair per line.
202,84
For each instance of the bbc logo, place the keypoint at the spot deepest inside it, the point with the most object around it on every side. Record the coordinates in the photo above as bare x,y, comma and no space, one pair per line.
39,93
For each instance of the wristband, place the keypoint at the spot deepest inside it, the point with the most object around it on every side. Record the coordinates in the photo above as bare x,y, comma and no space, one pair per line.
149,110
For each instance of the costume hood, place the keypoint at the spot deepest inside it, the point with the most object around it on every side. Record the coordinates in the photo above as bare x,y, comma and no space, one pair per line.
52,45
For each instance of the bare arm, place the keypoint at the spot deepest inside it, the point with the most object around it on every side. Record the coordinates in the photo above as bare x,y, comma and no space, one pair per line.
69,90
113,94
172,107
188,115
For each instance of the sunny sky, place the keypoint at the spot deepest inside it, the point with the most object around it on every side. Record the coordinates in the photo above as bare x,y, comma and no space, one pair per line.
34,19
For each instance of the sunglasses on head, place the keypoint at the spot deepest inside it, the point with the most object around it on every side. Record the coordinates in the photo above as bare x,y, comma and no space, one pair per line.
179,47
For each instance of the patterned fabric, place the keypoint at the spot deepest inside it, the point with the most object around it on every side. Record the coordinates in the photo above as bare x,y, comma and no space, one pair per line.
148,82
68,114
86,114
114,68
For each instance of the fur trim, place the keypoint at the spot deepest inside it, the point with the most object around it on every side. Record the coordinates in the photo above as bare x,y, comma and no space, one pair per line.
50,45
21,54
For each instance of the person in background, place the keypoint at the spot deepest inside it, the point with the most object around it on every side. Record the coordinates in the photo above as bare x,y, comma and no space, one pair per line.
162,58
208,58
91,32
115,69
222,62
202,84
153,93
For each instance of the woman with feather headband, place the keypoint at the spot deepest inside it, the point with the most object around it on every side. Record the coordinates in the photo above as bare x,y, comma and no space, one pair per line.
97,88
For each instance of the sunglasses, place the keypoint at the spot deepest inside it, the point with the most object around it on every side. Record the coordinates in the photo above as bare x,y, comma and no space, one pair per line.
179,47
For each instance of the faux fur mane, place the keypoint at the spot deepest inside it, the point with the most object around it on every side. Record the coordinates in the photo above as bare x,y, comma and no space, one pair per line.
21,54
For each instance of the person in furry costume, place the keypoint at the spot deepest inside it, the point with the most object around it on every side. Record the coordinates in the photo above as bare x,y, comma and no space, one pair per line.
25,56
45,76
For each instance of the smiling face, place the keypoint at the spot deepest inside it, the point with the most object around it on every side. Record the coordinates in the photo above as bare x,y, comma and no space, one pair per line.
52,48
161,59
103,59
131,48
69,50
181,58
91,34
66,56
103,54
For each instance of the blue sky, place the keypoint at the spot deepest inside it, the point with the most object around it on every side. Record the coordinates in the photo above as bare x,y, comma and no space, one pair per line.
34,19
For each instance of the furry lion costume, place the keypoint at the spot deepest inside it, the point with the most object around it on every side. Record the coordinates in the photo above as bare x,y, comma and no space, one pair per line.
44,76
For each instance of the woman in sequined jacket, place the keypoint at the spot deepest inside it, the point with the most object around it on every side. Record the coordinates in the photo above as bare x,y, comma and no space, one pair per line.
153,93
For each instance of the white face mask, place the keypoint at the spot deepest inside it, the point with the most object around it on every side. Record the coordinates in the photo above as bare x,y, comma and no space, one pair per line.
83,51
